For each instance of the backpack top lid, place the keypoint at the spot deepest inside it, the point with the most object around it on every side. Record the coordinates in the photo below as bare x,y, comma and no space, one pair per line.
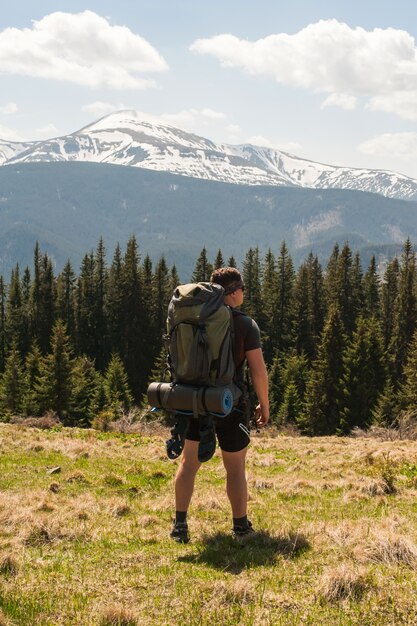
195,301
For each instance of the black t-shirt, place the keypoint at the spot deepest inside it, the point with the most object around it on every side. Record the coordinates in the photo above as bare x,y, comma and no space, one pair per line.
247,337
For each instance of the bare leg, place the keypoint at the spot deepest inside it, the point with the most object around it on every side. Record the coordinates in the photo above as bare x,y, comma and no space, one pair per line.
236,484
185,478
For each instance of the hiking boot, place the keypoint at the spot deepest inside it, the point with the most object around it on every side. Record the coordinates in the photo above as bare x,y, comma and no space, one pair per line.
179,532
243,531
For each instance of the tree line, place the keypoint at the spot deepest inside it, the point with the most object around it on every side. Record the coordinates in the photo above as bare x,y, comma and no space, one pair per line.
340,342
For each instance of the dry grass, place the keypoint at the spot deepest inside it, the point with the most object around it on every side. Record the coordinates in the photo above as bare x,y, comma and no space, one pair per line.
344,583
90,546
118,616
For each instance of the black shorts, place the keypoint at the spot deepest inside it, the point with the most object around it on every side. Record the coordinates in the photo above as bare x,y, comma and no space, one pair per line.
232,431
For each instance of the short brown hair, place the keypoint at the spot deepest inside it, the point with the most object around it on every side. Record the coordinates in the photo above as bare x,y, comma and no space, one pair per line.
226,276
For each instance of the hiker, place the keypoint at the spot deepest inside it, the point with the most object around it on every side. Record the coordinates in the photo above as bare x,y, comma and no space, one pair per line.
233,430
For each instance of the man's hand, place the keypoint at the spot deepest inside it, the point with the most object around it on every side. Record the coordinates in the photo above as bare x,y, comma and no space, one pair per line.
261,415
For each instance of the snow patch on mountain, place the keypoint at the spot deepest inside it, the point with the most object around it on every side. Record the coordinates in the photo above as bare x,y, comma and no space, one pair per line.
303,233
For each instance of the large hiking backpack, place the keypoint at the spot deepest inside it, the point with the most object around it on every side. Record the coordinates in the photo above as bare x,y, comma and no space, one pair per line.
199,343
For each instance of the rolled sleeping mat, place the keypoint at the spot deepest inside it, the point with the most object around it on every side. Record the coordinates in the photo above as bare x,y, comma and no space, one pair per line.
196,400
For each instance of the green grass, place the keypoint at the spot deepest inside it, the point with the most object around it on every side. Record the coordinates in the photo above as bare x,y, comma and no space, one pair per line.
89,545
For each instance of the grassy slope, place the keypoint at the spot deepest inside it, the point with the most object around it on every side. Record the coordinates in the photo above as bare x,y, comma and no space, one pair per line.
89,545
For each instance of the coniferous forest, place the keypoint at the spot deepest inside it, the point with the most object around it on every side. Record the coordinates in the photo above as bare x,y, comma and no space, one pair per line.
340,341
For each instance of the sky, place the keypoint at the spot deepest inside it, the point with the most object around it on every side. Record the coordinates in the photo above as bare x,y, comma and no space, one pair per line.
334,82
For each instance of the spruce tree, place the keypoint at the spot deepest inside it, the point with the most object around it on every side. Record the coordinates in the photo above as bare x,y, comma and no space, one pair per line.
12,383
251,275
282,298
316,301
389,292
2,324
231,262
321,414
386,409
84,388
135,322
371,289
116,387
42,300
54,385
65,297
14,311
364,375
268,285
31,401
407,396
86,307
101,347
218,261
115,309
202,269
405,317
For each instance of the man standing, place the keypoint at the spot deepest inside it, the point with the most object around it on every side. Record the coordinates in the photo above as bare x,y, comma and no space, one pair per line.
233,430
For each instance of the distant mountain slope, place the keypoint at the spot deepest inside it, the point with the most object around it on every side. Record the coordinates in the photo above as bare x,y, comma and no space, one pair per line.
123,138
67,206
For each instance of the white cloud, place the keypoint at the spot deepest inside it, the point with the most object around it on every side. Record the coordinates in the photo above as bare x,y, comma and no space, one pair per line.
8,109
399,145
82,48
330,57
342,100
8,134
402,103
102,108
48,131
192,119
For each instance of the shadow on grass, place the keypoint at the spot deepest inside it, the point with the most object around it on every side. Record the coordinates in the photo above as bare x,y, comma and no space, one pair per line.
224,552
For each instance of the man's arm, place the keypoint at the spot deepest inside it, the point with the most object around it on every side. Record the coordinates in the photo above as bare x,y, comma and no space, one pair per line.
259,377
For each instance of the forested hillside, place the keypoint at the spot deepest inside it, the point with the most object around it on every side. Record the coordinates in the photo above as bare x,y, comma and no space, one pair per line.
340,341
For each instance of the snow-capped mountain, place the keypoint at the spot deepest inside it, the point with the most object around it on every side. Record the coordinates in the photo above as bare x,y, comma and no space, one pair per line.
124,138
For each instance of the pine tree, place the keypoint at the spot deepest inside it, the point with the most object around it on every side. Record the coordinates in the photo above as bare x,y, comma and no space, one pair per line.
232,262
55,380
12,382
321,414
202,269
116,387
174,279
364,375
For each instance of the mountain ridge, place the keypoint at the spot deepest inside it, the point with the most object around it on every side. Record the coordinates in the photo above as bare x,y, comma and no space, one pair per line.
124,138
